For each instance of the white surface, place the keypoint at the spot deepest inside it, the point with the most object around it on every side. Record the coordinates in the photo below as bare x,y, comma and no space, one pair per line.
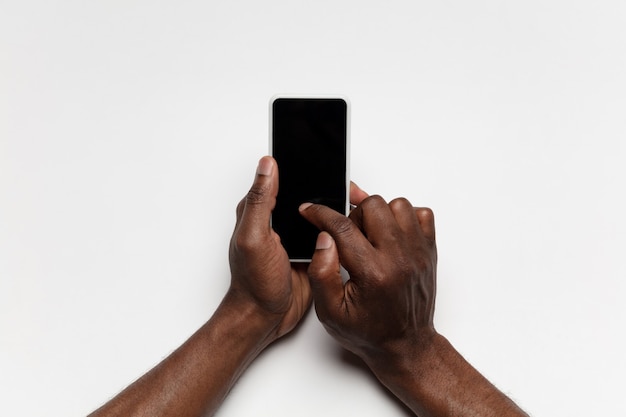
129,130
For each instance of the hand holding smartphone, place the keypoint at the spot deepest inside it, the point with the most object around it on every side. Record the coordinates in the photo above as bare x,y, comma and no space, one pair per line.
309,141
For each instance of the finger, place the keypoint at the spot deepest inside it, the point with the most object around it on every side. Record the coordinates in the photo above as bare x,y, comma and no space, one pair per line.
256,207
357,195
352,245
405,215
325,276
375,219
426,219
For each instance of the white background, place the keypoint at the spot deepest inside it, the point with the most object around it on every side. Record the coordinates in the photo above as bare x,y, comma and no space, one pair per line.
129,130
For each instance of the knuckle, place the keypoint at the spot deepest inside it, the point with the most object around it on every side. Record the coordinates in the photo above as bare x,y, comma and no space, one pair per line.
340,225
240,207
425,213
245,243
400,203
257,194
373,201
426,218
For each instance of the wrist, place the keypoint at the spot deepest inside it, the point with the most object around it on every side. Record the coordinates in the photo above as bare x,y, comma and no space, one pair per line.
400,354
245,315
404,365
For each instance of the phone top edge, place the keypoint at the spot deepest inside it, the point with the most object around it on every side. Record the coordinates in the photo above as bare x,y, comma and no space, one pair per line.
313,97
310,96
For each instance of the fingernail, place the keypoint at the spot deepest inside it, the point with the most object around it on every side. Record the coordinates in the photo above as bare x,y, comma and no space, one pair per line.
324,241
265,166
304,206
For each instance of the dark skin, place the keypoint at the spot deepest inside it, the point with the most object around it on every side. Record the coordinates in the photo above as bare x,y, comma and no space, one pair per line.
266,299
384,313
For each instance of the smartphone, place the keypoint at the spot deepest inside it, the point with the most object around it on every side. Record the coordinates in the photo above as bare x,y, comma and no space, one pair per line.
309,138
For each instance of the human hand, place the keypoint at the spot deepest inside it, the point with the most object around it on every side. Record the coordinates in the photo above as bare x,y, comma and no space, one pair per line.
389,251
261,274
384,312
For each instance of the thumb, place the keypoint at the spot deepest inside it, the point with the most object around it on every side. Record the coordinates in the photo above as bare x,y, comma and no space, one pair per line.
325,276
256,208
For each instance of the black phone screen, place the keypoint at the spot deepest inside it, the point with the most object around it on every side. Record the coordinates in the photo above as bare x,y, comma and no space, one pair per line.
309,143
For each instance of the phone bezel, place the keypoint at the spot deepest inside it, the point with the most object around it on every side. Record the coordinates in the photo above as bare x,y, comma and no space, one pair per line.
348,126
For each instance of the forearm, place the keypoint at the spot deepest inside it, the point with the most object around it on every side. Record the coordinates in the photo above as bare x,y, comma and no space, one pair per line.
194,379
434,380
